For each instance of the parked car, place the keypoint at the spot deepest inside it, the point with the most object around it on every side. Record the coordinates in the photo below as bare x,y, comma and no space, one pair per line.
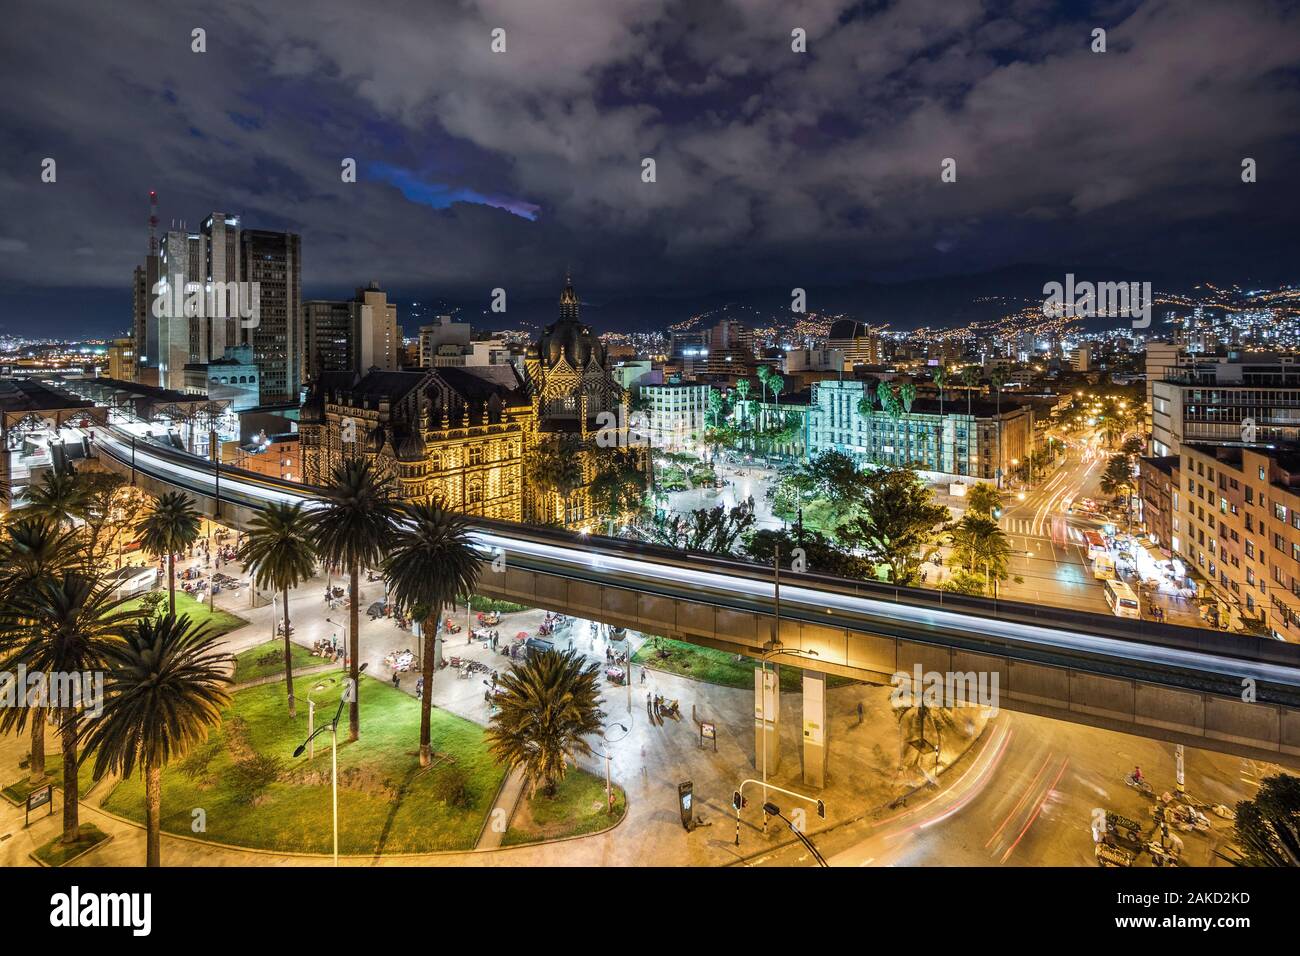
130,581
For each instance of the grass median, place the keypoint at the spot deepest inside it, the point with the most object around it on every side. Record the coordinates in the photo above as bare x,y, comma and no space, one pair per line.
252,792
714,666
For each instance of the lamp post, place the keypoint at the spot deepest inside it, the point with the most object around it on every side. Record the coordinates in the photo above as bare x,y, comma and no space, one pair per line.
609,784
771,809
333,727
311,716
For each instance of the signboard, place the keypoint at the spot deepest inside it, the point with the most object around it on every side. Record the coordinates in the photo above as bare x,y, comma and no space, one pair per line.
814,711
39,798
686,803
767,702
709,732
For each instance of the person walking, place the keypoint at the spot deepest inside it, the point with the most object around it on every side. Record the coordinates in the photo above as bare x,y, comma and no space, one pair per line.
397,679
419,687
859,713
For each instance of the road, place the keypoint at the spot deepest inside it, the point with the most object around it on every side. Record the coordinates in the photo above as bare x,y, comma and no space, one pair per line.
1047,540
1027,800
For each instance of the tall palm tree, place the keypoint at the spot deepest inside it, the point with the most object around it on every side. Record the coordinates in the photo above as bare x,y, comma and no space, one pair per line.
550,706
978,543
555,464
742,389
353,529
764,378
970,377
166,690
171,527
33,550
997,380
61,497
278,549
940,380
906,396
431,561
70,622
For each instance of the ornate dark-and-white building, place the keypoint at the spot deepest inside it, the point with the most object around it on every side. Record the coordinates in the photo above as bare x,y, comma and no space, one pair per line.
458,434
465,434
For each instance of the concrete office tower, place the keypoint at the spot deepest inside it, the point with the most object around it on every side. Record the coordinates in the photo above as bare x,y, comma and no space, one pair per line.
354,335
144,326
208,260
274,261
858,343
181,258
444,342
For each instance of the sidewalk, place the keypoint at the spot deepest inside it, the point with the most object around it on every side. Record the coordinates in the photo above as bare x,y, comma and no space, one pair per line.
648,763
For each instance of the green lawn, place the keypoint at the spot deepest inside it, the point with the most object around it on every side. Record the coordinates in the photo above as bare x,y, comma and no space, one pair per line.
57,853
267,659
578,807
386,803
717,667
18,790
221,622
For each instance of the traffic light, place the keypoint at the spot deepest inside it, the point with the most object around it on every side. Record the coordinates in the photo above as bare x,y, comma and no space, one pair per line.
997,512
737,801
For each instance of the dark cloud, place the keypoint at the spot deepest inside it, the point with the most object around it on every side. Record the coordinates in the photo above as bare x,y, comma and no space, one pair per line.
773,167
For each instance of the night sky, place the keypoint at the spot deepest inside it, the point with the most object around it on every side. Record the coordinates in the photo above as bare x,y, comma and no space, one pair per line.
478,169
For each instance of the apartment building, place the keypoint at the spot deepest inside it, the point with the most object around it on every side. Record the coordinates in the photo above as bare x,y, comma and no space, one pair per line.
1239,524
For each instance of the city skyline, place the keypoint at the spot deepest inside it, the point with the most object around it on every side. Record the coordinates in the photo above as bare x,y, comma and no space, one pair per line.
773,168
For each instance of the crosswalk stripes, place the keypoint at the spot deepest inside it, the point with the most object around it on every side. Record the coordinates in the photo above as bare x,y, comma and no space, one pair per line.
1017,525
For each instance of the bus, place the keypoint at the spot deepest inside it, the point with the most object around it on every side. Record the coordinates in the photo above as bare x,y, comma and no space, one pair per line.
1122,600
1095,542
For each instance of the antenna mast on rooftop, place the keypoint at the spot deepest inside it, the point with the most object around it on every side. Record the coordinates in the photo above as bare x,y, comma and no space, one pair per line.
153,222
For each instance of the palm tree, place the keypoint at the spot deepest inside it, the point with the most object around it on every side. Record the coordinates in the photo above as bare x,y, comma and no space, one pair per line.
352,529
983,499
907,395
171,527
997,380
70,622
890,405
166,691
279,551
940,380
764,378
978,542
61,497
970,377
550,706
34,550
1267,830
555,464
432,560
742,389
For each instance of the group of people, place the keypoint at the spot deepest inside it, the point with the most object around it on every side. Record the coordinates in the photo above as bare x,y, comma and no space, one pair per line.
399,662
331,649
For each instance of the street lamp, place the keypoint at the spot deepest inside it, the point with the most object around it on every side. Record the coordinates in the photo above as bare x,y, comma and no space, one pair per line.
333,727
609,785
771,809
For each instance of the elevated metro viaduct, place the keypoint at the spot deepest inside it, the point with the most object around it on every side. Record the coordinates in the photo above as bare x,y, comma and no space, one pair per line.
1228,693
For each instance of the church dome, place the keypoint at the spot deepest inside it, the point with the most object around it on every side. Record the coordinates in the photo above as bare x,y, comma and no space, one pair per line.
411,447
568,338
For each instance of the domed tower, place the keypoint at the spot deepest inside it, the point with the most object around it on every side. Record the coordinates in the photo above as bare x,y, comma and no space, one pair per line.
577,404
568,371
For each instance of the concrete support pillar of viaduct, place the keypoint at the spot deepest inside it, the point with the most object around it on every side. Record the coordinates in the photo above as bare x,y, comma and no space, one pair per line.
815,740
767,719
